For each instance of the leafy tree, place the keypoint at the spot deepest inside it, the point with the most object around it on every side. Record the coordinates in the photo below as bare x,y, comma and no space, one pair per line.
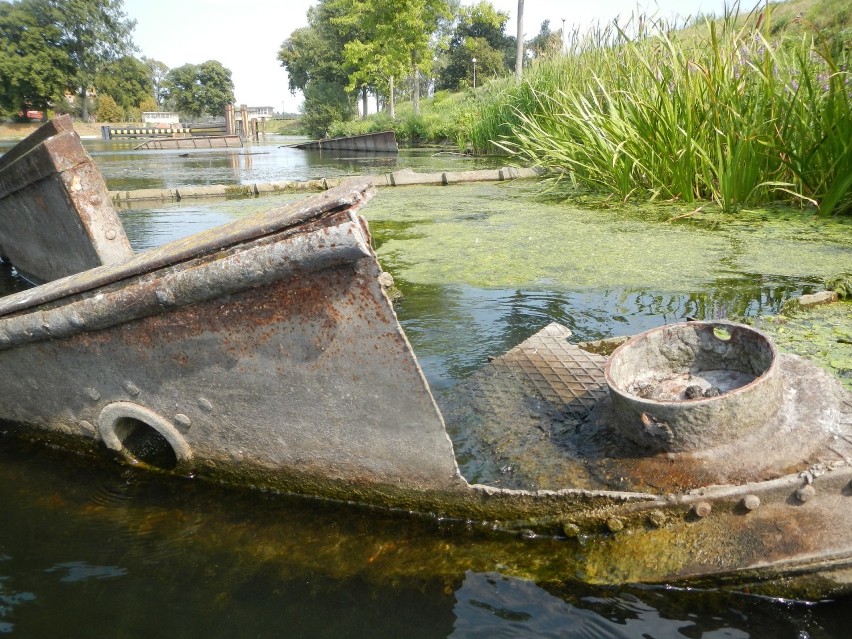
547,43
126,80
34,67
479,33
109,110
395,37
313,57
94,33
198,89
157,73
148,104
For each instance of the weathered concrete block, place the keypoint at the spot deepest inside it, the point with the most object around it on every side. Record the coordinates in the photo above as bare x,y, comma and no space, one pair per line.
266,188
212,190
381,180
815,299
151,194
515,173
482,175
406,177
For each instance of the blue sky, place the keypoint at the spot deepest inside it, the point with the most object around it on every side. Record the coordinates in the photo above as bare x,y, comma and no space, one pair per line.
246,37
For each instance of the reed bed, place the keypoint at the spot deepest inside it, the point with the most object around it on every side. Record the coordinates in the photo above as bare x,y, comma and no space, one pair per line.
717,111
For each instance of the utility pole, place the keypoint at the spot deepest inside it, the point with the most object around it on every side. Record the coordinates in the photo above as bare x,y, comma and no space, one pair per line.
519,52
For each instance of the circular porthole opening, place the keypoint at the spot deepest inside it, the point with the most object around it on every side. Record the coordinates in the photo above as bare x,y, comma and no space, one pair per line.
145,443
143,437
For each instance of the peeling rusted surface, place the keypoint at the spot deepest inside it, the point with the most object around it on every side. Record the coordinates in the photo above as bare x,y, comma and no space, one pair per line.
266,353
57,216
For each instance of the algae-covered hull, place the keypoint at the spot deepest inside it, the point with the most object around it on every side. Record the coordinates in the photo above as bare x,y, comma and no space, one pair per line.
265,353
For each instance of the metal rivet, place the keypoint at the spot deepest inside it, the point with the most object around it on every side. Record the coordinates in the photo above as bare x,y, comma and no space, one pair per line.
183,420
804,493
93,394
131,388
614,524
205,404
110,234
750,502
702,509
76,321
165,296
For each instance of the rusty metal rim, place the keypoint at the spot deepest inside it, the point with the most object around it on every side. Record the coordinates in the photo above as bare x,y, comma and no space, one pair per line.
113,413
772,369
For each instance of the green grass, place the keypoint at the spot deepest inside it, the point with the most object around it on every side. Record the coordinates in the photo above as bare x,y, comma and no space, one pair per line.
444,119
723,110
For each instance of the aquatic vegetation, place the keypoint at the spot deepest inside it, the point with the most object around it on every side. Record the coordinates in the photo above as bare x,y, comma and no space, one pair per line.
822,334
724,111
494,236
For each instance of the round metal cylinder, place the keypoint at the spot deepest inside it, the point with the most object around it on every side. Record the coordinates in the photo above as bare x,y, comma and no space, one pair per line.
694,386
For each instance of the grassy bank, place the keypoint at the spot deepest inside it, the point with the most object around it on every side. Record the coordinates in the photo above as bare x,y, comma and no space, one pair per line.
735,111
445,119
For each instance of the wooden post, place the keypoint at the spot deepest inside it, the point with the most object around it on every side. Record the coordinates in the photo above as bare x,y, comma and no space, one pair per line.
245,121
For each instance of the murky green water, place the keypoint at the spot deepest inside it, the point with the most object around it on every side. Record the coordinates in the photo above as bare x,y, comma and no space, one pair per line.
88,548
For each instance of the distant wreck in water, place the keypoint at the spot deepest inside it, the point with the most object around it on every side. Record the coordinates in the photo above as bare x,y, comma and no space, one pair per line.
266,353
383,142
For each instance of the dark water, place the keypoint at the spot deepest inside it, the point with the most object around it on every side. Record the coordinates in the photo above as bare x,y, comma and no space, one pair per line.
89,548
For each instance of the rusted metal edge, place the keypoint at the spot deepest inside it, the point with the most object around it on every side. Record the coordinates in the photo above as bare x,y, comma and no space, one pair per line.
254,266
41,161
56,126
348,196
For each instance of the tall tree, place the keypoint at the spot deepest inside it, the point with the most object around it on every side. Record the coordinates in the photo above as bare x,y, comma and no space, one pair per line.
95,33
479,33
313,57
157,73
126,80
547,43
34,67
395,37
198,89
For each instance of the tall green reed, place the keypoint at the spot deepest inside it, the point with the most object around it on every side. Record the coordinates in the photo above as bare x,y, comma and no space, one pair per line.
716,111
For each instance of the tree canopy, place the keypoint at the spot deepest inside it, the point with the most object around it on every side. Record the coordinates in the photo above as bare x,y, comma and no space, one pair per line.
127,80
480,33
48,47
199,89
34,65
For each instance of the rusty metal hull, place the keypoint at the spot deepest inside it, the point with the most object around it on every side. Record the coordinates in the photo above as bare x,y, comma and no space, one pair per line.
265,353
383,142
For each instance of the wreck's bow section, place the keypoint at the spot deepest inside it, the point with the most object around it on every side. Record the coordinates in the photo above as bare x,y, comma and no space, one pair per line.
264,352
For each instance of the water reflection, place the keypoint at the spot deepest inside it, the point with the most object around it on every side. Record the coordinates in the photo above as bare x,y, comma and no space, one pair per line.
124,168
105,550
95,549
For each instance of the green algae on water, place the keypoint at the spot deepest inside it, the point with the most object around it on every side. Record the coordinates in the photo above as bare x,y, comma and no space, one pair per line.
822,334
508,236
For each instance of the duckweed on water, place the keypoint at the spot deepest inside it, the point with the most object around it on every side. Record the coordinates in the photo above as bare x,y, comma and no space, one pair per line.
822,334
499,236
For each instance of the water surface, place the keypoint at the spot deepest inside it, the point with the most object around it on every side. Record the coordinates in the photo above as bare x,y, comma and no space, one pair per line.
89,548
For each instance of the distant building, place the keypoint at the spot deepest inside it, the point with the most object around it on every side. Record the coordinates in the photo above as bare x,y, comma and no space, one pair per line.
256,113
160,118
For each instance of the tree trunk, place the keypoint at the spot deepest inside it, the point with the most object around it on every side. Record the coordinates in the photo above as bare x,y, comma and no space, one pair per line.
416,97
84,105
519,52
364,102
391,110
